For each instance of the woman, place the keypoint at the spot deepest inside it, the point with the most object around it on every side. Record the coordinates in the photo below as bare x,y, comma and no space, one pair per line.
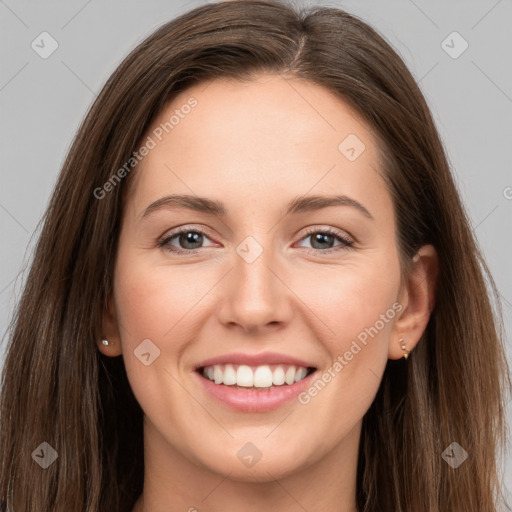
259,367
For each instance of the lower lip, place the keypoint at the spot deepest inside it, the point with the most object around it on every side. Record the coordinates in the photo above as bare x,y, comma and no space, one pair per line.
251,400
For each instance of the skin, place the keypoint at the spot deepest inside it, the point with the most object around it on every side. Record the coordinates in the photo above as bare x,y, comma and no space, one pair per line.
255,146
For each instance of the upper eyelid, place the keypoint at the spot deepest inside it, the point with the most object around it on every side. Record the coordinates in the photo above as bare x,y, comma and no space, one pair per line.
309,231
184,229
335,231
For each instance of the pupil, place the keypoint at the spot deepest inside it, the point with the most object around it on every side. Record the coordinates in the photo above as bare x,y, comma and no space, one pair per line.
322,238
192,238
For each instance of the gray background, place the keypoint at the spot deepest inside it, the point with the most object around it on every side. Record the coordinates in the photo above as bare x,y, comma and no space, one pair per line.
42,102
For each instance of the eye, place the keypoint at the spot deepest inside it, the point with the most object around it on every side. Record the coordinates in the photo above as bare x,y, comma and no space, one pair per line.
322,240
188,239
191,240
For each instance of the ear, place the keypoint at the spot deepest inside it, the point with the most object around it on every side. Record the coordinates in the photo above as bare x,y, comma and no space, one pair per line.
110,332
417,297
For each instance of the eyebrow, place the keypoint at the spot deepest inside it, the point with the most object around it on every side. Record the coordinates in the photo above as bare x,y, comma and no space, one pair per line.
214,207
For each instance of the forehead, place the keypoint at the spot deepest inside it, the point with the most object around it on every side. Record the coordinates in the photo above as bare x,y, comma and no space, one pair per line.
264,138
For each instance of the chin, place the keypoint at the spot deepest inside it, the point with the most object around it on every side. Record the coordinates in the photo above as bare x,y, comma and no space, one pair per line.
262,471
271,466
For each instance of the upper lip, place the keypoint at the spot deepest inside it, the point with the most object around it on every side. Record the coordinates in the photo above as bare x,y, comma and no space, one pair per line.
255,360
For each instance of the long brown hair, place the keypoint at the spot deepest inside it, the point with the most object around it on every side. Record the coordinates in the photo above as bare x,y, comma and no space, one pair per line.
58,388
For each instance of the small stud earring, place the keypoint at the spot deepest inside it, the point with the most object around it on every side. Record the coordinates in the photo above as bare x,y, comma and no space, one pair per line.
105,342
402,346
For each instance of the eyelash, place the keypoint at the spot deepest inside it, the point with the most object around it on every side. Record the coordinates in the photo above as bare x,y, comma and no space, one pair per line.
164,243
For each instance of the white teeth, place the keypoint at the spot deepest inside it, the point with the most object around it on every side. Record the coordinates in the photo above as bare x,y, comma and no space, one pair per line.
218,375
244,376
229,375
262,377
300,374
265,376
278,376
290,375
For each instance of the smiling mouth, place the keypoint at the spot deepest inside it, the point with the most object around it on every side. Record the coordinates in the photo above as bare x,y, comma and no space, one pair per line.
262,377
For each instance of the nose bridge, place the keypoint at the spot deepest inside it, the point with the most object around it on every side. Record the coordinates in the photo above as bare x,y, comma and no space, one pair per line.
256,296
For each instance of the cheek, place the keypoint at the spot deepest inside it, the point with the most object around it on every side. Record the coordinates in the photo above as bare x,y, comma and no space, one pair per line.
354,297
151,300
156,303
358,304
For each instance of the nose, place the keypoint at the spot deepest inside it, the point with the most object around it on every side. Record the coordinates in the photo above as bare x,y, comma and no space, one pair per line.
255,295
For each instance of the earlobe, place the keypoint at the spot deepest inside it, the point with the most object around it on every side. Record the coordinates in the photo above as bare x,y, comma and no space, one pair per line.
110,343
418,299
403,346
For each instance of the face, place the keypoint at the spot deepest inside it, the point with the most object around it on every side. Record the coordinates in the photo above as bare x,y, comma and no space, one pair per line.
270,278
